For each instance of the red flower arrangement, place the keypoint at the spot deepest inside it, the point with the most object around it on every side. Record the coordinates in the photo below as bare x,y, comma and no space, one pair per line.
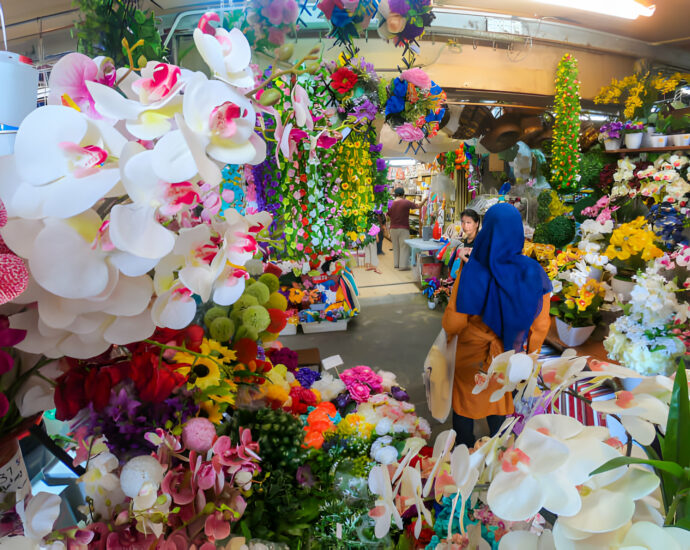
343,80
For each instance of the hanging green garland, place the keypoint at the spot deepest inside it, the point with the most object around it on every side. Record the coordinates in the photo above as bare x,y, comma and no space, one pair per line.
565,162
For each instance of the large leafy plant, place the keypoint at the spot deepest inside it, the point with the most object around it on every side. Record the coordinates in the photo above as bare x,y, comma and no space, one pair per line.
106,23
671,458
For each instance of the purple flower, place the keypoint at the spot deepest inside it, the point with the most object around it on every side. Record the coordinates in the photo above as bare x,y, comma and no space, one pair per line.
342,401
375,148
399,6
307,377
379,188
284,356
399,394
380,164
366,110
304,476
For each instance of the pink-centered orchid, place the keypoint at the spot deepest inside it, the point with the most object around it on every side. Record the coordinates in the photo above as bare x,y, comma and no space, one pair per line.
227,53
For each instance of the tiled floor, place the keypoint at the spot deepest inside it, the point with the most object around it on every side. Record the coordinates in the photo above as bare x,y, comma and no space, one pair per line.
389,282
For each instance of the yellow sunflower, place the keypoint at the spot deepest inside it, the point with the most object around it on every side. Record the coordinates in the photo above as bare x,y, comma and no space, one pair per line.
211,411
203,372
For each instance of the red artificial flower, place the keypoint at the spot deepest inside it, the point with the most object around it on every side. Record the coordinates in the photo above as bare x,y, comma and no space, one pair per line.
343,80
246,350
278,320
189,337
327,7
302,399
82,385
154,379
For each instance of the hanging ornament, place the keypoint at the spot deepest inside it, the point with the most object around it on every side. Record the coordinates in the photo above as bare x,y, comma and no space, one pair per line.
566,131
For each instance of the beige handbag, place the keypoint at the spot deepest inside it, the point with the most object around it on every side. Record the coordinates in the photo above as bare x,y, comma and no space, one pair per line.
439,370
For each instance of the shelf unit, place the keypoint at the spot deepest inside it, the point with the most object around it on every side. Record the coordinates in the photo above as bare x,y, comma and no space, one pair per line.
650,150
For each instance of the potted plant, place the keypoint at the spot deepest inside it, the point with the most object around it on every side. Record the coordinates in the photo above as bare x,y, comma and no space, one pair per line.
663,126
633,132
631,245
576,308
610,135
680,131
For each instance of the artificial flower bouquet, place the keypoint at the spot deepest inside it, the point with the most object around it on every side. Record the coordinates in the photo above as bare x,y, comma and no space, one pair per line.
357,89
579,305
404,21
631,246
632,127
348,18
651,336
269,21
414,107
437,290
666,181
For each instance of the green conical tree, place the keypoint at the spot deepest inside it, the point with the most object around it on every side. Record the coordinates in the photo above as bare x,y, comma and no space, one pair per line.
565,160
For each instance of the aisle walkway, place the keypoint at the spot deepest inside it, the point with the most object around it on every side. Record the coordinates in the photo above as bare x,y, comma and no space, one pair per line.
389,282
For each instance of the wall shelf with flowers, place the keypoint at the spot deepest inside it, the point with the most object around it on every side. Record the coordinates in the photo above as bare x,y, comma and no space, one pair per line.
649,150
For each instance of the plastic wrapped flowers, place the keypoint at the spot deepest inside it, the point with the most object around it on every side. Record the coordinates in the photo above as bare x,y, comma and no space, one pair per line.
405,21
414,108
357,91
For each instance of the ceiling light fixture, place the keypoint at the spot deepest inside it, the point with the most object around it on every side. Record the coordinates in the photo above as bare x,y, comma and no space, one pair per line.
627,9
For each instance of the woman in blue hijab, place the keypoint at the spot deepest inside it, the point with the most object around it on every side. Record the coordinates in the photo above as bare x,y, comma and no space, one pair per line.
500,302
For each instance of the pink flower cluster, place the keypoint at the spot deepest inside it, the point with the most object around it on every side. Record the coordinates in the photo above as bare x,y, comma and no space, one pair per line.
602,210
360,381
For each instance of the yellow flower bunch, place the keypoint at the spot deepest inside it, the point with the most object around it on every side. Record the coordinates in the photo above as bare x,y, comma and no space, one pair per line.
354,424
632,240
582,297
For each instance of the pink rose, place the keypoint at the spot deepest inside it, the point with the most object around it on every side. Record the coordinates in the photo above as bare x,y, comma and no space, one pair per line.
417,77
395,23
408,132
359,392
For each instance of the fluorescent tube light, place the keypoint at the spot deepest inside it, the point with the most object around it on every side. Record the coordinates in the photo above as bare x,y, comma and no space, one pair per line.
627,9
402,162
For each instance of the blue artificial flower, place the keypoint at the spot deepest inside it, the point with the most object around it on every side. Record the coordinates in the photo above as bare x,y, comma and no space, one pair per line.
340,18
395,105
435,117
399,87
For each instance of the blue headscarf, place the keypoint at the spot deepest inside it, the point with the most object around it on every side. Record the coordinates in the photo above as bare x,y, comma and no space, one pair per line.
498,282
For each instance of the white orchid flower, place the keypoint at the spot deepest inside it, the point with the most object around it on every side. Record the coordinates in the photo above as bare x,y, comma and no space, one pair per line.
441,454
151,103
301,104
384,506
102,484
507,369
174,306
639,414
527,540
39,515
63,164
221,123
607,504
531,477
227,53
411,493
640,535
465,476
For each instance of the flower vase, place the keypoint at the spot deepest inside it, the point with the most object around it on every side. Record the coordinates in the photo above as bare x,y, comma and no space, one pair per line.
431,304
622,289
572,336
612,144
13,475
647,136
633,141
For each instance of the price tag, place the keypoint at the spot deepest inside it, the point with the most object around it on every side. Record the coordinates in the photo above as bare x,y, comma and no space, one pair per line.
331,362
14,477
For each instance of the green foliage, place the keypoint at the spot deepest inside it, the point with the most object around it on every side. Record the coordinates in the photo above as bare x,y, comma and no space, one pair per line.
213,313
559,232
543,203
105,23
580,205
260,291
221,329
271,281
541,234
593,162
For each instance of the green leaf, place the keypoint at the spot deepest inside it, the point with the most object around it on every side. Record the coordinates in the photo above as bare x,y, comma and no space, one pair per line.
663,465
676,444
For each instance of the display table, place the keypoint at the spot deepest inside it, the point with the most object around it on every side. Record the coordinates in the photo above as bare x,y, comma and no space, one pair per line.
420,245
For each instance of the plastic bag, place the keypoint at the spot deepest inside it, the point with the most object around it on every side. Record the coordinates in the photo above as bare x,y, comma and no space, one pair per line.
439,370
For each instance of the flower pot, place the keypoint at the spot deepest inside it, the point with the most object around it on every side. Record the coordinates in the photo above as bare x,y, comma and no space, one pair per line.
431,304
622,289
612,144
573,336
659,140
680,140
595,273
13,475
647,136
633,141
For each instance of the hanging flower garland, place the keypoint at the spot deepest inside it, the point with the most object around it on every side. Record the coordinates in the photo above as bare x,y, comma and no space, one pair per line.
414,107
348,19
565,163
269,21
405,21
357,90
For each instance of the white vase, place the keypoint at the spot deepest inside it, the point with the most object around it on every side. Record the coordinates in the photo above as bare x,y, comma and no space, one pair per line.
612,144
431,304
680,140
572,336
659,140
633,141
647,136
622,289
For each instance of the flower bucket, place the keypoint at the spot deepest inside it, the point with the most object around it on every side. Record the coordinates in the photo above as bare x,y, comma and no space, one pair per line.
431,304
13,475
659,140
622,289
679,140
612,144
633,141
573,336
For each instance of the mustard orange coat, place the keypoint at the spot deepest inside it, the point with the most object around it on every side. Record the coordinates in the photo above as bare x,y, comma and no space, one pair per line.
477,346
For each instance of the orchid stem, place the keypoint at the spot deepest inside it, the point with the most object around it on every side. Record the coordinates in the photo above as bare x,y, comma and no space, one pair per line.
274,75
125,44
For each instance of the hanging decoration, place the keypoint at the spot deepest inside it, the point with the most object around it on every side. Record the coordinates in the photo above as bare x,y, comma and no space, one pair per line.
404,22
348,19
565,163
269,21
414,107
